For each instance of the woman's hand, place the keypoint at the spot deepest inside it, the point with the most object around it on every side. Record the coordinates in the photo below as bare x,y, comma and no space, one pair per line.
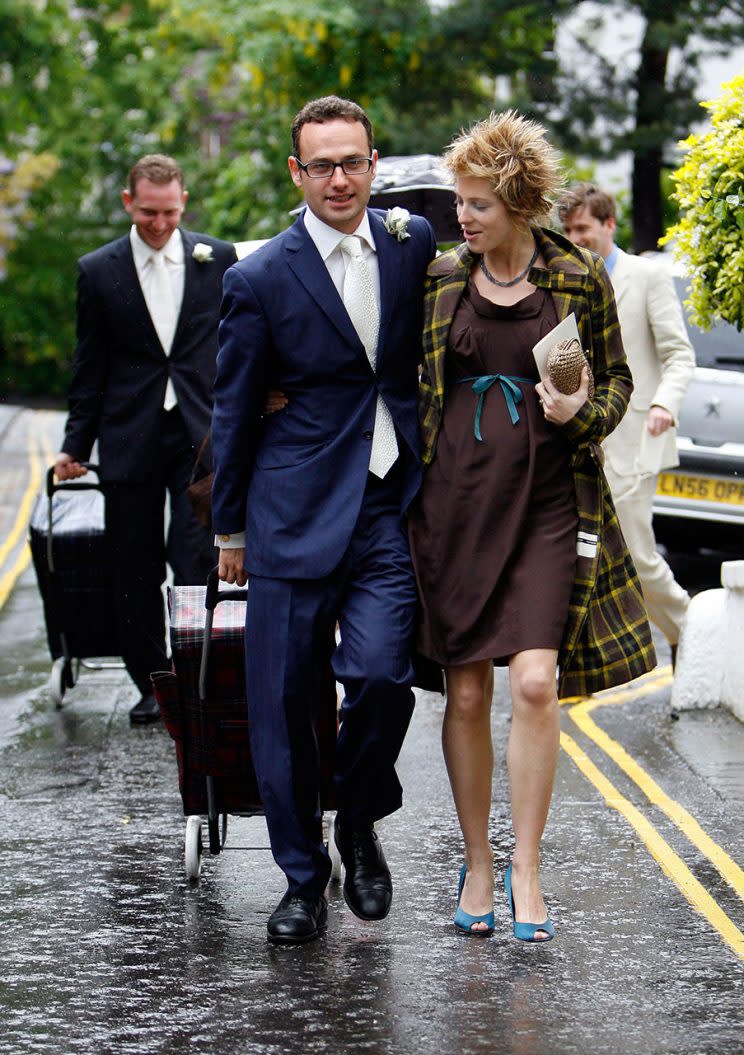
275,400
558,407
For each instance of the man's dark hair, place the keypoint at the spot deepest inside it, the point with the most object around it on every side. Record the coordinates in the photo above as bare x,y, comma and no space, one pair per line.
600,203
157,168
329,108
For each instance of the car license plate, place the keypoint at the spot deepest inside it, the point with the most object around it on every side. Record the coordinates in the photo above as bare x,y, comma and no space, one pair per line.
701,488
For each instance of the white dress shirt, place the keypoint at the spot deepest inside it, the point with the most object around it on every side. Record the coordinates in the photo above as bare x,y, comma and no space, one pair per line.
145,262
327,240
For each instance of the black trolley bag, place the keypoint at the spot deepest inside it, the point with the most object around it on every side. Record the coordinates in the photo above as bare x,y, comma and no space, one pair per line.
73,569
204,709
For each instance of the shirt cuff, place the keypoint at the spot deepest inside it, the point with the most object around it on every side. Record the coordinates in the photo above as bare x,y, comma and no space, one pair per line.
234,541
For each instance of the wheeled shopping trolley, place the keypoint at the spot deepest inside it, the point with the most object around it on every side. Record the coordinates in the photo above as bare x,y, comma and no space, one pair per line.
204,708
73,569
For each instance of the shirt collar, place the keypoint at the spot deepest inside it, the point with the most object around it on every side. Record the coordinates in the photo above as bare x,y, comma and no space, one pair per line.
327,238
172,250
612,259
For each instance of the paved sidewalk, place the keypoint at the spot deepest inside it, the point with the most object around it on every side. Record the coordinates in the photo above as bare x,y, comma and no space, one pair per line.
107,949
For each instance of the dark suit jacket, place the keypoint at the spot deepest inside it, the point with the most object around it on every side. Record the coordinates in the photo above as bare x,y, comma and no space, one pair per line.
295,480
120,370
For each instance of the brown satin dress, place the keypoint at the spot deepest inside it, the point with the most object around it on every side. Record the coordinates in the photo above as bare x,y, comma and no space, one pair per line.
493,532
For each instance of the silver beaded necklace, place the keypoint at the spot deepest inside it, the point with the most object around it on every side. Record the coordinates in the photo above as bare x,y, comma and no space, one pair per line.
512,281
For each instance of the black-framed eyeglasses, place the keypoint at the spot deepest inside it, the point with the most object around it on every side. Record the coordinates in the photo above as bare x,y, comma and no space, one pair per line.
324,169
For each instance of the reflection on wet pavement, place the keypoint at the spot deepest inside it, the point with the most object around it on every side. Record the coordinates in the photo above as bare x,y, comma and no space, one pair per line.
107,948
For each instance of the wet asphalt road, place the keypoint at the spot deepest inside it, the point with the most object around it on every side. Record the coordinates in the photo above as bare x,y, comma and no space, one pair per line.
106,947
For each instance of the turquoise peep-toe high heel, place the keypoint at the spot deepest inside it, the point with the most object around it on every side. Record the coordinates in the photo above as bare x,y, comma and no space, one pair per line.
526,931
464,921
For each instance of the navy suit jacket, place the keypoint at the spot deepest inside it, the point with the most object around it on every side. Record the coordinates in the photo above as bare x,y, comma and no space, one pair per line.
295,479
120,370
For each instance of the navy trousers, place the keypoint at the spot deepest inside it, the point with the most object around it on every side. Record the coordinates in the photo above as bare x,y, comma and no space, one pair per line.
290,643
135,516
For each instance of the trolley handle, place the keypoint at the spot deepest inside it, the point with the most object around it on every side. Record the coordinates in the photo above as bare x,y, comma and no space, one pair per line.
213,597
51,487
214,594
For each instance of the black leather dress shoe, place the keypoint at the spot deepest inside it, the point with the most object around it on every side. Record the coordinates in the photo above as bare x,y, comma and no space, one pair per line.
146,710
368,888
297,919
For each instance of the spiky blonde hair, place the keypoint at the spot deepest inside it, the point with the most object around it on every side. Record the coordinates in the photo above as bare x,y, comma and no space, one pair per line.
514,155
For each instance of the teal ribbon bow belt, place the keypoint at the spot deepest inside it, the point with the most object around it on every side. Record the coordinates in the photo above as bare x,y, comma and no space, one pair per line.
510,388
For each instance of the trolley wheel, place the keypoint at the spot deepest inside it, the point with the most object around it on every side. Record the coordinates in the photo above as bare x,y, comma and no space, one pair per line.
336,863
72,673
217,833
58,681
217,827
193,848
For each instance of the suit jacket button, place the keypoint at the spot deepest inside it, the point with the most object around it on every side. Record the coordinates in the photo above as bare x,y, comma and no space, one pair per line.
367,434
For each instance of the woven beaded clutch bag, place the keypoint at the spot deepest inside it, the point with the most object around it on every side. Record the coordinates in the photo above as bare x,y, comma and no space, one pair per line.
566,360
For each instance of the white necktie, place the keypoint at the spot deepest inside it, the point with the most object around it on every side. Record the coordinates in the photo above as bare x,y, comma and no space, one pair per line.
163,314
360,302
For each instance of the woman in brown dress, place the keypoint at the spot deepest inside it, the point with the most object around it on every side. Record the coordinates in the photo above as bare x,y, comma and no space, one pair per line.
494,531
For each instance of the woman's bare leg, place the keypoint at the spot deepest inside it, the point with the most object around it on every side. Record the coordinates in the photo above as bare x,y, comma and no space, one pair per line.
468,753
532,756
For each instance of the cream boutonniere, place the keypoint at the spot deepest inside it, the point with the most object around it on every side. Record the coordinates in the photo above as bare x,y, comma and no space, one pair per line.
202,253
396,222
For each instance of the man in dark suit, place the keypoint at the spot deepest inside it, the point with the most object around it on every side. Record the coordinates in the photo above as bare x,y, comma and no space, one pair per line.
147,315
319,490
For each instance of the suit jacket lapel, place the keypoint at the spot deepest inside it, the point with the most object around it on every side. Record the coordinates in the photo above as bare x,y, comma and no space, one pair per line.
127,285
448,276
189,281
305,263
619,277
568,281
388,262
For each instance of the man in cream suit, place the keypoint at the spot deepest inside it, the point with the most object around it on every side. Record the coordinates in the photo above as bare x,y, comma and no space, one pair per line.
662,361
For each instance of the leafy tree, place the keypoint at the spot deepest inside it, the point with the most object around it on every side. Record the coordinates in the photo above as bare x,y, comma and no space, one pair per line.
262,61
17,184
710,191
216,83
420,72
90,90
642,105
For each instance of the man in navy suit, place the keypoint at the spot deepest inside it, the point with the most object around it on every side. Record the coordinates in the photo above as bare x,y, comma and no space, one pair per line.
147,314
308,504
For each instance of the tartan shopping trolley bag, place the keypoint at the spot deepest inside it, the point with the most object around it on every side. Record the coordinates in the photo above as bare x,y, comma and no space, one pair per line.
204,708
70,555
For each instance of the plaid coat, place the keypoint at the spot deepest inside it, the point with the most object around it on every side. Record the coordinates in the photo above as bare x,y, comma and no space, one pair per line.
607,640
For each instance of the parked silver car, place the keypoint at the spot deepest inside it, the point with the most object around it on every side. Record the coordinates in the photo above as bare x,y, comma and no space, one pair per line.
700,505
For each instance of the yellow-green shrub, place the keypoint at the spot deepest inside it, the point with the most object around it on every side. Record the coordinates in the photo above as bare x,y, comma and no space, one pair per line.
709,187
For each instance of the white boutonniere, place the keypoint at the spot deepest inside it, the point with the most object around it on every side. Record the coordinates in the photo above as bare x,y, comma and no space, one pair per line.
396,222
202,253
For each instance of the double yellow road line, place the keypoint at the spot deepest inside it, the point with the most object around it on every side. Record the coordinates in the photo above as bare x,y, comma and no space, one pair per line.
15,552
670,862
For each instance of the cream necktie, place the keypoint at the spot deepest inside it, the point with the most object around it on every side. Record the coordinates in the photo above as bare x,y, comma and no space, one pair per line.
163,314
360,301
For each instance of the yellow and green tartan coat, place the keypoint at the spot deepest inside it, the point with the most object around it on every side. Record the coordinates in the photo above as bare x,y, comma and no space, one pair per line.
607,640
